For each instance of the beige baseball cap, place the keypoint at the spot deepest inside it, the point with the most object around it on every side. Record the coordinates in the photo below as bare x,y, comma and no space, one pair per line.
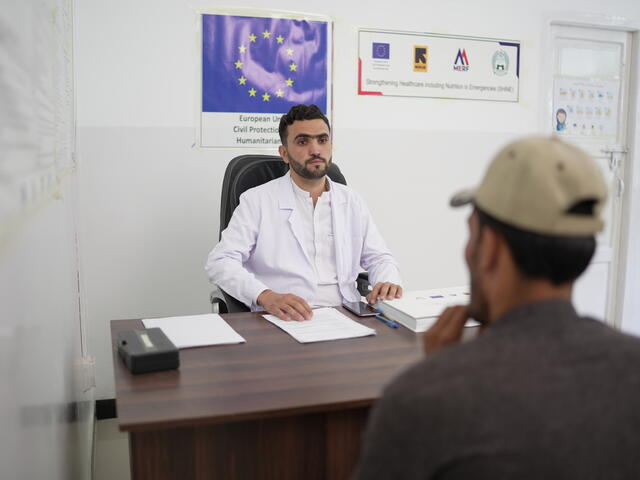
534,182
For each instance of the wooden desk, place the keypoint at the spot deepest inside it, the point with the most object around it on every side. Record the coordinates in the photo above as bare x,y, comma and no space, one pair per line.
271,408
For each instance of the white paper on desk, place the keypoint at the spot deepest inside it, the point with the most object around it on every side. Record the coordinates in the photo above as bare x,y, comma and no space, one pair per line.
196,330
326,324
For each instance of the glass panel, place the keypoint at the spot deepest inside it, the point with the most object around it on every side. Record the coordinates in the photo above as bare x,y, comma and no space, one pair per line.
589,59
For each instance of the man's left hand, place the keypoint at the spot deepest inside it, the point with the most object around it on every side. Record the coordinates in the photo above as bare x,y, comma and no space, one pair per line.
384,291
447,330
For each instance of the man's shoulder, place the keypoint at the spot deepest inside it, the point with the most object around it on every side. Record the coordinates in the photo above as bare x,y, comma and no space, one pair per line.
262,190
442,372
346,192
619,343
436,384
478,363
454,369
340,187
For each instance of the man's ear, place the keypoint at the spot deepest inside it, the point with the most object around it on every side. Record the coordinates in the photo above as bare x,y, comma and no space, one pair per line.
490,246
283,153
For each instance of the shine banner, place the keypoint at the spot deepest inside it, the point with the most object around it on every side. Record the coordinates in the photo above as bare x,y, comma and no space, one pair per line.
408,64
254,69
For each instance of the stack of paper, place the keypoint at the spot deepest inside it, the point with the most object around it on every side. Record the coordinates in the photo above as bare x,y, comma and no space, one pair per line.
418,310
196,330
326,324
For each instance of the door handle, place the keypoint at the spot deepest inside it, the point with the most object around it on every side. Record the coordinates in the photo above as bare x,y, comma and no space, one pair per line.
620,191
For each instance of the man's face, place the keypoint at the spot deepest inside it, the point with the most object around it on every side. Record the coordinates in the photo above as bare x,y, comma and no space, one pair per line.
308,148
478,306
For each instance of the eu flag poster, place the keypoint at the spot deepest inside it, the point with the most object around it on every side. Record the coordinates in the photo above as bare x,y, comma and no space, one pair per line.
254,69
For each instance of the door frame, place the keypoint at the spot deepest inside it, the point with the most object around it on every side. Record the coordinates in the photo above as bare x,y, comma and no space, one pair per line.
626,301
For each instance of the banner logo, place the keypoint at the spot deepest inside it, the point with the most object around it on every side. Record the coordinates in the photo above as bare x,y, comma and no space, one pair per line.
381,50
461,63
500,63
420,58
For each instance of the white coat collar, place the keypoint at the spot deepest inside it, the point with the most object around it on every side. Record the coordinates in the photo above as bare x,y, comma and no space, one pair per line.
287,201
286,195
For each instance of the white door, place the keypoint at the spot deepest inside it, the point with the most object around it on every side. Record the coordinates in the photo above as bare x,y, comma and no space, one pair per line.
590,96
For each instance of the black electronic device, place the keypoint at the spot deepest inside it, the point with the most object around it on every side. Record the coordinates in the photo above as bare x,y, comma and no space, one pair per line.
359,308
147,350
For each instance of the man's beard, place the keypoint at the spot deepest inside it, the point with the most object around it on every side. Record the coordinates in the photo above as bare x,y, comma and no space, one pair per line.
478,306
316,171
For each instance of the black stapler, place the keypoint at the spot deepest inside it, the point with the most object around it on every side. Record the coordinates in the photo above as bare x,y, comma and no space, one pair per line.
147,350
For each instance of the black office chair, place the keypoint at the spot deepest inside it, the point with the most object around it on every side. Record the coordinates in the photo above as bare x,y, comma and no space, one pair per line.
242,173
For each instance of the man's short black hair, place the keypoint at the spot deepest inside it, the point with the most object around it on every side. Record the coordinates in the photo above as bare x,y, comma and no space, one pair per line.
559,259
300,112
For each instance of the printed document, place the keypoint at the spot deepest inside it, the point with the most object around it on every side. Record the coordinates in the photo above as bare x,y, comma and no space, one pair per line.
326,324
196,330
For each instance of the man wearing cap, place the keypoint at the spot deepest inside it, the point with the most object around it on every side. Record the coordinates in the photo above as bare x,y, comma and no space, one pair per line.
541,393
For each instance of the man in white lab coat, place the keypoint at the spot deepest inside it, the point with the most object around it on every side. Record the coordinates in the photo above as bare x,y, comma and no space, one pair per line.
300,240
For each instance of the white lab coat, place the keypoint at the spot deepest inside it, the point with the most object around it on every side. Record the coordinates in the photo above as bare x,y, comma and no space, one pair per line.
262,247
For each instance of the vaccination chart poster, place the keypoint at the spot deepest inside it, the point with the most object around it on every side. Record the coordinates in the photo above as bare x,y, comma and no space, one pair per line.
254,69
405,64
586,108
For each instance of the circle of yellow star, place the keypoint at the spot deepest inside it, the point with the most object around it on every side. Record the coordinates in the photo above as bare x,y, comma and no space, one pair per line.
289,82
242,48
279,93
266,34
293,67
242,80
290,52
252,92
266,97
280,39
238,64
252,38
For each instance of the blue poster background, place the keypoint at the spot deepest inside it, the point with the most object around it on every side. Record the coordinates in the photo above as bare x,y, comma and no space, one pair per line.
262,65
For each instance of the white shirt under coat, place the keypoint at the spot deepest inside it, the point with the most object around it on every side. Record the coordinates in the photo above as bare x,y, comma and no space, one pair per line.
318,243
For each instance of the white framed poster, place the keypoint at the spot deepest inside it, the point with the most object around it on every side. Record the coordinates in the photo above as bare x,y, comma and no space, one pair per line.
410,64
255,67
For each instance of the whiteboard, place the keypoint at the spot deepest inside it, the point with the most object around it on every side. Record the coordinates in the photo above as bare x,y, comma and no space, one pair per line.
37,114
46,405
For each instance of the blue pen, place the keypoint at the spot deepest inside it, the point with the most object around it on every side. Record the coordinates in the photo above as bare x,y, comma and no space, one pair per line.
387,321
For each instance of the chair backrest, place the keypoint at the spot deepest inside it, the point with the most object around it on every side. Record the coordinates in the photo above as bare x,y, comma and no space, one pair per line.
248,171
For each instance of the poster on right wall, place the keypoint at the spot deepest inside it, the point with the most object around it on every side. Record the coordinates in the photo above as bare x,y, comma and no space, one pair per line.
585,108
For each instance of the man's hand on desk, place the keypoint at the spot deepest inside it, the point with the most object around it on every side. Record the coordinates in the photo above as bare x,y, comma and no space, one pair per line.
384,291
285,306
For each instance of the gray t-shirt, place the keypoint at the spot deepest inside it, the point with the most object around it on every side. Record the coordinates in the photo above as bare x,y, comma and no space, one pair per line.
541,394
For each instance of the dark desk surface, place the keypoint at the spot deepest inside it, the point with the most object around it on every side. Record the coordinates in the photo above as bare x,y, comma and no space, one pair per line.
271,375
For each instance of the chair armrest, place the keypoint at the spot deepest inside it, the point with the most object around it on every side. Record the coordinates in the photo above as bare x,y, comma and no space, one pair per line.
218,303
222,302
362,284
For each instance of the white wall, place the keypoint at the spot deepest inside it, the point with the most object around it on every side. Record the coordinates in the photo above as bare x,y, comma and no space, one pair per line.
150,201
